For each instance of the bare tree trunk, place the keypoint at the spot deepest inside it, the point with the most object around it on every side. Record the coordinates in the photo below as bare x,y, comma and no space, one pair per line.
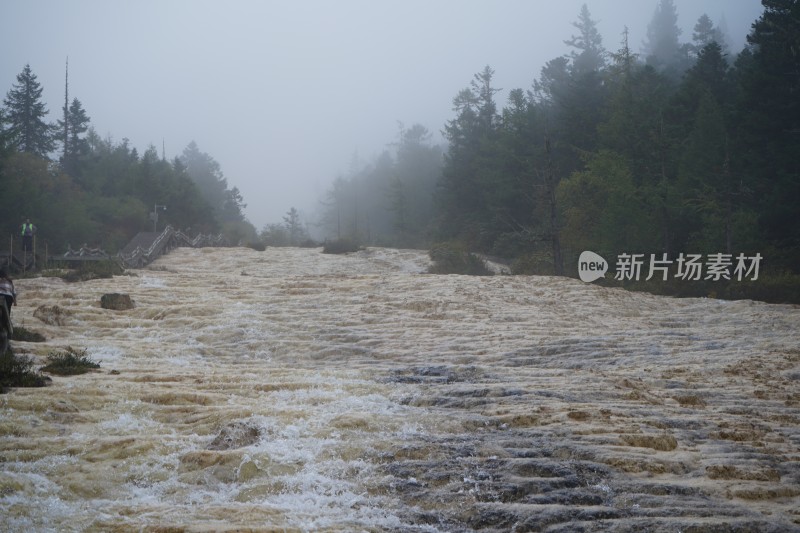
665,221
728,202
558,261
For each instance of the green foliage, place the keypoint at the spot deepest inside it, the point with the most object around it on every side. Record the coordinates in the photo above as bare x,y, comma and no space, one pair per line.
600,204
102,193
69,362
617,156
454,258
470,163
533,264
662,47
275,235
294,227
588,55
780,288
76,147
92,270
225,205
340,246
239,231
25,335
25,113
17,371
390,200
258,246
767,121
633,157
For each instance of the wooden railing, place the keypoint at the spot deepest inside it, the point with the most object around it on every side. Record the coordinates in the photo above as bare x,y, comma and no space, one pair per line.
145,249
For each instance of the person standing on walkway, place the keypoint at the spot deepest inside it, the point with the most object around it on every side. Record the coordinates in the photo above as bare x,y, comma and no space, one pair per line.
28,231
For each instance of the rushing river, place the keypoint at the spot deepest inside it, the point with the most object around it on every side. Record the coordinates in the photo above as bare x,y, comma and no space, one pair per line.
295,391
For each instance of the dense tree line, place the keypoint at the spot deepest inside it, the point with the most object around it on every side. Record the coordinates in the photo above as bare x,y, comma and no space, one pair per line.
682,148
78,188
387,202
685,150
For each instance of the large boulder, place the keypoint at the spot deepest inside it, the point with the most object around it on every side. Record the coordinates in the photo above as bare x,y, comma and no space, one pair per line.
116,301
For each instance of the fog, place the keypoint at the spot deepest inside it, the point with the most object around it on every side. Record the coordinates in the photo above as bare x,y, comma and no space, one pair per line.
284,94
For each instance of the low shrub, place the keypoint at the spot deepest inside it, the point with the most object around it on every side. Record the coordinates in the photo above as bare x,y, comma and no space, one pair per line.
454,258
340,246
533,264
17,371
70,362
25,335
258,246
92,270
770,288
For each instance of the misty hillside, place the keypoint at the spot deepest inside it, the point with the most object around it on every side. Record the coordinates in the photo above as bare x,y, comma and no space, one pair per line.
667,137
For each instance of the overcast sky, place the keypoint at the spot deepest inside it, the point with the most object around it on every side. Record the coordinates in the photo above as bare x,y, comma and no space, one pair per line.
282,94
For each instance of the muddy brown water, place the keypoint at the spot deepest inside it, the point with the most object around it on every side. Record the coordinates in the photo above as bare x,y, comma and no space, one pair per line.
296,391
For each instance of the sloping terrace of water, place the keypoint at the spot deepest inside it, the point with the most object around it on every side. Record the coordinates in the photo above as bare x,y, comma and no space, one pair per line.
293,390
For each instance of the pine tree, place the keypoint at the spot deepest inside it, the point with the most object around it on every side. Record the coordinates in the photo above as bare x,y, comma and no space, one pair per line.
412,185
662,49
589,54
291,221
207,175
76,147
706,33
5,135
25,114
636,130
463,186
768,124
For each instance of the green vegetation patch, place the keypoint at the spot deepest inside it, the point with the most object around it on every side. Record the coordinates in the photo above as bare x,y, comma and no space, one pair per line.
340,246
18,372
454,258
69,362
93,270
781,288
26,335
258,246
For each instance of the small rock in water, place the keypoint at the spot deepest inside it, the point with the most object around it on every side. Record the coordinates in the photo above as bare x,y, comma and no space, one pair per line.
52,315
235,435
116,301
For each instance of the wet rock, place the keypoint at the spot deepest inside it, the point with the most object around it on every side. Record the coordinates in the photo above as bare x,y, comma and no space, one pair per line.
235,435
52,315
436,374
664,443
116,301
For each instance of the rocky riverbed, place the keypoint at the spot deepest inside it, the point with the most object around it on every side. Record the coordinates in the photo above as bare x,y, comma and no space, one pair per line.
298,391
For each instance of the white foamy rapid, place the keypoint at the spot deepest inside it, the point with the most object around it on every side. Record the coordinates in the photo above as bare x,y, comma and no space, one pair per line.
298,391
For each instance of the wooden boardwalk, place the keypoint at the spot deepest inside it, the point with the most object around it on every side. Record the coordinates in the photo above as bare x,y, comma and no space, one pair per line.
17,261
144,248
147,246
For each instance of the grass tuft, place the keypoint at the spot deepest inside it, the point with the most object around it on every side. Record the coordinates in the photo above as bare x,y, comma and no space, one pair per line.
70,362
18,372
26,335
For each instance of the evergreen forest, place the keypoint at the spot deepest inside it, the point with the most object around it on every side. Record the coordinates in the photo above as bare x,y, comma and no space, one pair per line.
79,189
682,146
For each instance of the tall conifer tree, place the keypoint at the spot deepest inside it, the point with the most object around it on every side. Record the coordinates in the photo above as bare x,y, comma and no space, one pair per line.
25,114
